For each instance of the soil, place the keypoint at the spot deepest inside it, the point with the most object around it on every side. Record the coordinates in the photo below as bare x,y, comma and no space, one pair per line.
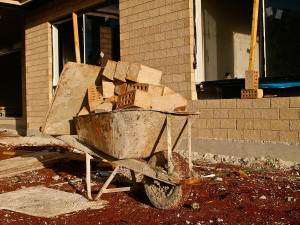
238,195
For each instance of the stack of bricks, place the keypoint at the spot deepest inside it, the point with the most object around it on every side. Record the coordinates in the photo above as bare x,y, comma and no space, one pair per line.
132,85
251,85
266,119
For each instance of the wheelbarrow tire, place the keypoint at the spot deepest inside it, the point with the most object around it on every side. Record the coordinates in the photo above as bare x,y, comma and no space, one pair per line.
161,194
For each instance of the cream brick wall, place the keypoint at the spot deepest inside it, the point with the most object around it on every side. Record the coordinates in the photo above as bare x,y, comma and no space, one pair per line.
159,34
267,119
38,55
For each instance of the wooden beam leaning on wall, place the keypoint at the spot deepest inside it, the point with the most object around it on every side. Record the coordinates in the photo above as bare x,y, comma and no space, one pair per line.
76,37
251,76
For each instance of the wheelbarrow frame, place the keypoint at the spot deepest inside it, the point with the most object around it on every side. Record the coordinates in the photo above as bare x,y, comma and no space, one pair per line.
136,165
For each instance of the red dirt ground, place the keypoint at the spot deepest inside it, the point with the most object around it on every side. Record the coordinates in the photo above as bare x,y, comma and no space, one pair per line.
237,199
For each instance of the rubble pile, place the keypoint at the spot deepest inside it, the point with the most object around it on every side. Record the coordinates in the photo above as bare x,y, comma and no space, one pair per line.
131,85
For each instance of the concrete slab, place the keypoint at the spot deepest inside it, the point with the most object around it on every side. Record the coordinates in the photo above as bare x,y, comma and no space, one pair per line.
45,202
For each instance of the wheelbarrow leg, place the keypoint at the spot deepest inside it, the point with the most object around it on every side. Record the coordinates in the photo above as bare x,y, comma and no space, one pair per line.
88,175
190,143
169,144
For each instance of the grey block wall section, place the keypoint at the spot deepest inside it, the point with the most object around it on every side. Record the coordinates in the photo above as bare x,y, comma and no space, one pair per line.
245,149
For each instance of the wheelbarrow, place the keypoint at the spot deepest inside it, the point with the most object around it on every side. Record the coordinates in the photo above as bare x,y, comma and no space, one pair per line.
142,141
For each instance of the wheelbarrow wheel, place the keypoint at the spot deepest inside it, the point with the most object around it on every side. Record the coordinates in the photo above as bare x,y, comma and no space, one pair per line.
161,194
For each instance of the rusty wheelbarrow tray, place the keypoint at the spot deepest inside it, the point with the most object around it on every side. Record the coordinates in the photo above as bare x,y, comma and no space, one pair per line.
125,136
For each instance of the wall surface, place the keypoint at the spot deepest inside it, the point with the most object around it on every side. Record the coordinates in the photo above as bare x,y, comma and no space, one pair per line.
38,56
159,34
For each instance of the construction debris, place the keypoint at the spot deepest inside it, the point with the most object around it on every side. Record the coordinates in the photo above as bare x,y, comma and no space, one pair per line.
131,85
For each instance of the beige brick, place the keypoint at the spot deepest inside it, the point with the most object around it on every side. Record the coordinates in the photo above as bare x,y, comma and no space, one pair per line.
168,102
213,123
295,102
213,104
252,113
199,123
252,135
228,103
153,90
244,124
220,133
295,125
236,134
244,103
136,98
236,114
280,124
262,103
269,135
289,136
121,71
262,124
143,74
270,114
251,79
280,102
108,88
109,70
206,113
228,123
120,87
289,113
205,133
221,113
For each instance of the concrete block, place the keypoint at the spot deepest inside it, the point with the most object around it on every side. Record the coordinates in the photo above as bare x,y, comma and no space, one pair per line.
109,70
167,91
83,111
267,135
254,93
213,123
220,133
153,90
104,107
121,71
120,87
143,74
244,103
168,103
280,102
280,124
136,98
288,136
251,79
235,134
236,114
108,88
228,123
289,113
244,124
295,102
262,124
263,103
252,135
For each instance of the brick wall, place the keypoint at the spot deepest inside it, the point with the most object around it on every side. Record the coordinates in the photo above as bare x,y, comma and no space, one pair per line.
159,34
105,44
266,119
38,55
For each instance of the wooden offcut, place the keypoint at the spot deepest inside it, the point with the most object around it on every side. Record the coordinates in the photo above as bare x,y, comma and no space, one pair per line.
109,70
136,98
253,34
153,90
251,79
143,74
76,37
121,71
252,94
168,102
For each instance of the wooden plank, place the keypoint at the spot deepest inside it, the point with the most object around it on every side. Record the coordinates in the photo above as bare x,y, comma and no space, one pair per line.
76,37
253,34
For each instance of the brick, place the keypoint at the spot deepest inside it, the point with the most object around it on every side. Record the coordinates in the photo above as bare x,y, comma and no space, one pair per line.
109,70
113,99
262,103
244,124
95,97
236,114
252,135
136,98
153,90
295,102
143,74
269,135
289,136
295,125
108,88
120,87
289,113
121,71
280,124
220,133
168,102
251,79
205,133
262,124
252,114
213,104
280,102
235,134
228,103
228,123
206,113
221,113
270,114
213,123
244,103
252,94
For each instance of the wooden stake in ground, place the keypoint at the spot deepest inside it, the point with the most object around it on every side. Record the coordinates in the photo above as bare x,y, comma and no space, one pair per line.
76,37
